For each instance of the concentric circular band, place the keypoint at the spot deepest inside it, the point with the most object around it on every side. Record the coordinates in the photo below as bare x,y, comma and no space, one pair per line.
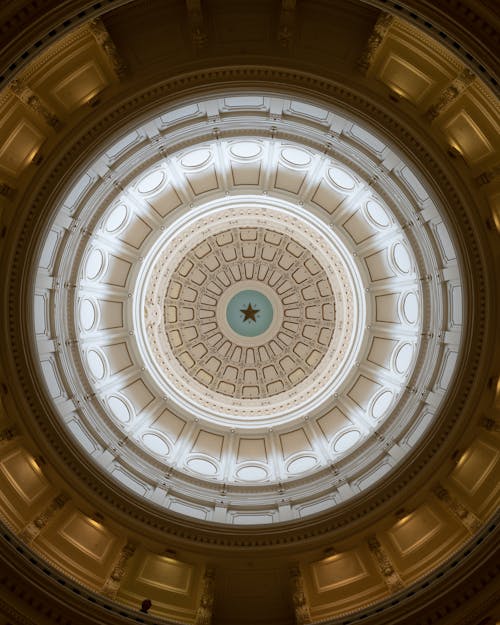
222,376
360,401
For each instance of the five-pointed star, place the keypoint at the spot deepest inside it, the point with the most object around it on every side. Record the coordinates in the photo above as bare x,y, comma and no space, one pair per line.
249,313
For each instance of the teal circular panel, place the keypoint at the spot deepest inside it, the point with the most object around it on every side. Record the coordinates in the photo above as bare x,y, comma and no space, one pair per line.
249,313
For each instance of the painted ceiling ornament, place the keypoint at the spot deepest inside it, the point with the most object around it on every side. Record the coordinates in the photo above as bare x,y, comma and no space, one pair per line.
249,313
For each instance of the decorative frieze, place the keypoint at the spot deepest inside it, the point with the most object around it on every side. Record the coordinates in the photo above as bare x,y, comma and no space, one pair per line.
6,190
286,23
488,176
103,39
199,35
112,584
376,39
7,434
490,424
33,529
467,518
299,597
450,94
385,566
205,609
32,101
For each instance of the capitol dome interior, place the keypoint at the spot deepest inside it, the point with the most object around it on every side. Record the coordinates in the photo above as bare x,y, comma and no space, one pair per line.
249,350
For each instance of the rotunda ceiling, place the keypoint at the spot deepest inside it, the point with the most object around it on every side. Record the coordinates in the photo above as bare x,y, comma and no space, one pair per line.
249,312
250,315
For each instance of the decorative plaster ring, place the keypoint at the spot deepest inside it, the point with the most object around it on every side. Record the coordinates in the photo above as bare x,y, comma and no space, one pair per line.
334,264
